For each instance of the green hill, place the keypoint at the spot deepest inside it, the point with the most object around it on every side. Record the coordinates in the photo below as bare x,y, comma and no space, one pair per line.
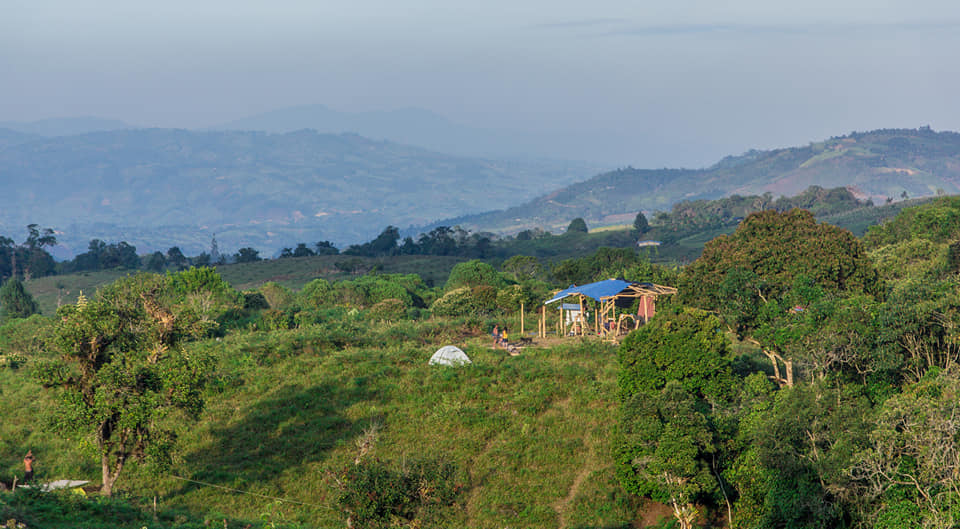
876,165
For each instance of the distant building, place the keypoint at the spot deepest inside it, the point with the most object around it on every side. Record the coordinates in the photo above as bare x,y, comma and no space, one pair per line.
641,244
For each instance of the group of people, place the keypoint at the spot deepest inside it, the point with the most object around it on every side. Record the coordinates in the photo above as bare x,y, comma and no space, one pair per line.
500,339
500,336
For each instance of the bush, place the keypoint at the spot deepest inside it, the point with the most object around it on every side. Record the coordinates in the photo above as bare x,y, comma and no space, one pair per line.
473,273
277,296
255,301
275,320
477,301
316,294
388,309
374,495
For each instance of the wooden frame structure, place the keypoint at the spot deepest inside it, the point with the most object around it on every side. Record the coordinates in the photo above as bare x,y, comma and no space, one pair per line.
646,292
606,295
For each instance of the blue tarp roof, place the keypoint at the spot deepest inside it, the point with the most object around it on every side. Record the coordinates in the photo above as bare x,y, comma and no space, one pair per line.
600,289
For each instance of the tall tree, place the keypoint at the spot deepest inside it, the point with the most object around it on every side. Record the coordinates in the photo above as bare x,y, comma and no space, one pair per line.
577,225
640,223
122,377
673,378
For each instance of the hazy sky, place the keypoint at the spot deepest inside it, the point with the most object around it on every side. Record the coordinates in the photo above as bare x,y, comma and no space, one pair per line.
665,83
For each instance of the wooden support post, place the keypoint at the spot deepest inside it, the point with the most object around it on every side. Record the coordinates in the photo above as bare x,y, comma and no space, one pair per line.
583,319
521,318
596,319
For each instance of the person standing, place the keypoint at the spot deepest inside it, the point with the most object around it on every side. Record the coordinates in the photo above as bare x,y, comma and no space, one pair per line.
28,466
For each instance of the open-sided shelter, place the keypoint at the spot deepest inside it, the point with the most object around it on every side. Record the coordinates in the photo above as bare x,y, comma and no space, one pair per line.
607,296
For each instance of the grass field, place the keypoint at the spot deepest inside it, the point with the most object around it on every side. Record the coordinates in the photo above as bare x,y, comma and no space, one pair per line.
530,435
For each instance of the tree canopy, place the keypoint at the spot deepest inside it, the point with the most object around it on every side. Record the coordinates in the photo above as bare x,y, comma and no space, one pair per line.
122,377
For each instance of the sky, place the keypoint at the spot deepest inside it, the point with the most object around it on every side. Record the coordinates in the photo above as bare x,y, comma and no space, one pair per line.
645,83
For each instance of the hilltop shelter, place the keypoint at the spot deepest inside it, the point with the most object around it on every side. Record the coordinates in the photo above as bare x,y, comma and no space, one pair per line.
607,296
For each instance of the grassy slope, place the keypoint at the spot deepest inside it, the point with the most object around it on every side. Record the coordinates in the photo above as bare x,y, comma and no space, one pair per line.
531,435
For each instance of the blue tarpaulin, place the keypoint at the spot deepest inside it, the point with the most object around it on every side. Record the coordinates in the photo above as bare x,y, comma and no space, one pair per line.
598,290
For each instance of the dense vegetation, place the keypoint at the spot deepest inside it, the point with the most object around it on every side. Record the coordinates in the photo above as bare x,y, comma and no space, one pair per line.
801,378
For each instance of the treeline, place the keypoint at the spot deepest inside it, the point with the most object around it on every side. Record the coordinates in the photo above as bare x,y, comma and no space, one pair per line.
696,215
32,258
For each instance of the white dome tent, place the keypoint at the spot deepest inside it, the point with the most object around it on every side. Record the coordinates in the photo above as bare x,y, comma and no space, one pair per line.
449,355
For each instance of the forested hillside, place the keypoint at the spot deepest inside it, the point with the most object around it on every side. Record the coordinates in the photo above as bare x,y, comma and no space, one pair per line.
877,165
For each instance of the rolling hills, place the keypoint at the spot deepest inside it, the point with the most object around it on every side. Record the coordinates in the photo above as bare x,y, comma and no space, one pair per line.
890,163
156,188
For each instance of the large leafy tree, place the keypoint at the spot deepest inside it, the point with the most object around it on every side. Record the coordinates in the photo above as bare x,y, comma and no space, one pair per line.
674,381
122,377
777,248
910,473
767,273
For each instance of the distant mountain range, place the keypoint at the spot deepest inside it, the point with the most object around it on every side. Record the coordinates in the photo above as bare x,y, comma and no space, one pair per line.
880,165
156,188
63,126
416,126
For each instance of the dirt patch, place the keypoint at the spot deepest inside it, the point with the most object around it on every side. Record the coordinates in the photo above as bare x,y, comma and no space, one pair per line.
653,512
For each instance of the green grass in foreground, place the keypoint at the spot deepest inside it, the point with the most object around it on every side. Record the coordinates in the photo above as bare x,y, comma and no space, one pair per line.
530,435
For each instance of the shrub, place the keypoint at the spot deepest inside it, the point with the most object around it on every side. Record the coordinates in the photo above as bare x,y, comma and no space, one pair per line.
275,320
277,296
388,309
316,294
473,273
255,301
374,495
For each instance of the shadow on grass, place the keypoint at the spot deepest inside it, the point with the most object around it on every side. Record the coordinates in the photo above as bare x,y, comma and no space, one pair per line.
292,427
622,526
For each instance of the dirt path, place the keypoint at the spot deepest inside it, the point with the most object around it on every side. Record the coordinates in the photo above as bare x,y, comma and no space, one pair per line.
589,467
471,504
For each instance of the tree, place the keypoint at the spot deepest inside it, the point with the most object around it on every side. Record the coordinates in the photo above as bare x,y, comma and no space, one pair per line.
913,456
303,251
673,376
36,262
472,274
176,258
577,225
15,301
246,255
122,377
325,248
763,264
522,267
384,244
640,223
